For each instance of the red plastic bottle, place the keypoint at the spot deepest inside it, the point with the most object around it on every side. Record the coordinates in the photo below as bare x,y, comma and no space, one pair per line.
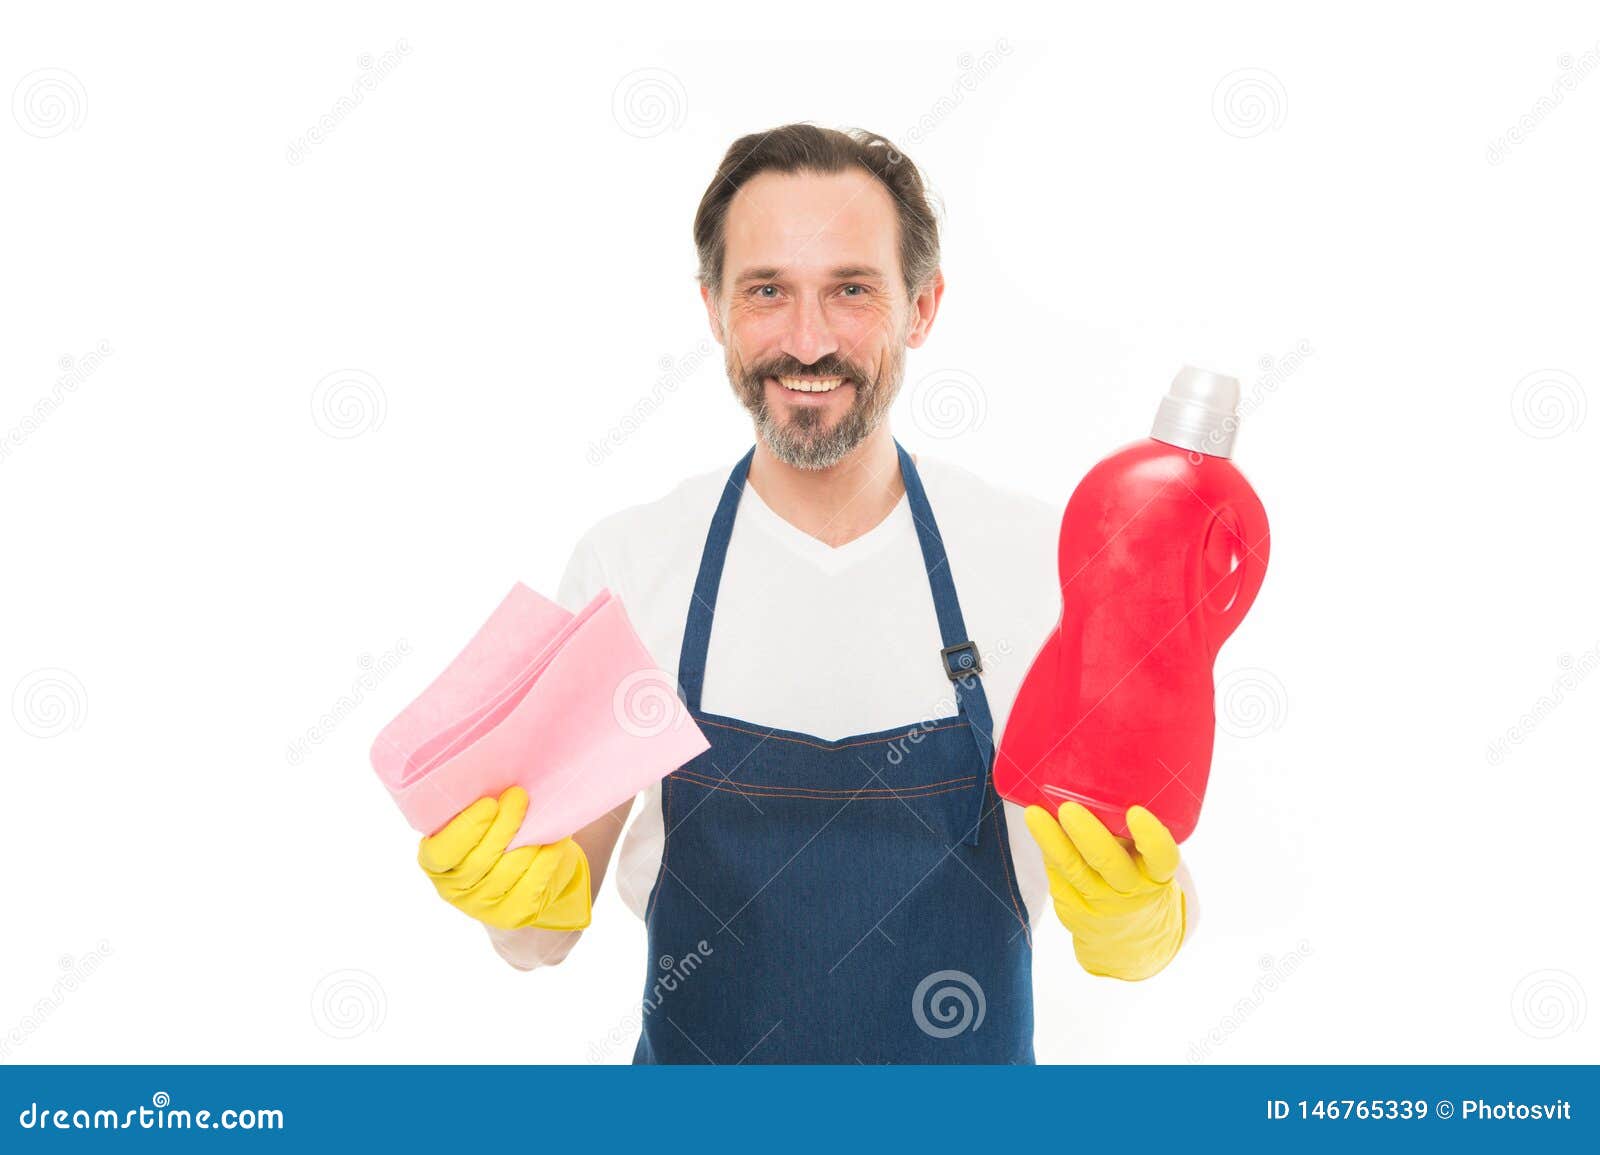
1163,548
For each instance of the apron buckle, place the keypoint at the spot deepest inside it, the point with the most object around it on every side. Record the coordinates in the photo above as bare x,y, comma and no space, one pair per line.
961,660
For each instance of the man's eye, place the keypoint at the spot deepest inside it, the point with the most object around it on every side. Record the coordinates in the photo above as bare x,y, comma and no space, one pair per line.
766,292
854,290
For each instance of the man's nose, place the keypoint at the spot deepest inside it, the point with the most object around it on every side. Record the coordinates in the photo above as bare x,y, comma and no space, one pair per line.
810,337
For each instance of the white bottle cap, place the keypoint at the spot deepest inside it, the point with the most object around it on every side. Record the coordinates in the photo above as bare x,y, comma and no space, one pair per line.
1199,412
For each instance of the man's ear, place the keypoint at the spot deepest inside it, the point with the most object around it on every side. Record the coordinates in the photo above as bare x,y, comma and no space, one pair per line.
924,308
713,315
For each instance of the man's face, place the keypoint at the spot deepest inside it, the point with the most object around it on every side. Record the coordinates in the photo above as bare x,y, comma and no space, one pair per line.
813,314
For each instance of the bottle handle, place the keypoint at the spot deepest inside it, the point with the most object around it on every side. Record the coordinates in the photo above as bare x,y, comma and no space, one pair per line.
1240,528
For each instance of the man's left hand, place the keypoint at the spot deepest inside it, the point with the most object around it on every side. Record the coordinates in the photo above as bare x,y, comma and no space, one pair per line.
1118,899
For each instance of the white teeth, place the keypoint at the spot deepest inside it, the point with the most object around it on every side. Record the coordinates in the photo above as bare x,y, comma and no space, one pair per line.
811,384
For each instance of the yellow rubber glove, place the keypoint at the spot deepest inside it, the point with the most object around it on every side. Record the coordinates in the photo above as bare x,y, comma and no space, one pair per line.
543,886
1125,913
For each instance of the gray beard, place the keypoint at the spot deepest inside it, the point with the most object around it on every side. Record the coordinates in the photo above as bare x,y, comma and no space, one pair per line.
801,442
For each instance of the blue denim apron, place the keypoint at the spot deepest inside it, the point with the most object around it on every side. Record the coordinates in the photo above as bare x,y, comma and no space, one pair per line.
837,901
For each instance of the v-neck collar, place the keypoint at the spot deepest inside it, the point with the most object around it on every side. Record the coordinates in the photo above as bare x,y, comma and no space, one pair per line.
832,559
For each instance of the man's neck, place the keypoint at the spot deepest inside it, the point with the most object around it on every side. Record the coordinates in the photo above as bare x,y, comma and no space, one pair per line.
838,504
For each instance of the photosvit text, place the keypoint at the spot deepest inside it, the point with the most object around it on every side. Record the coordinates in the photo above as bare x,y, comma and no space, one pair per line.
1403,1109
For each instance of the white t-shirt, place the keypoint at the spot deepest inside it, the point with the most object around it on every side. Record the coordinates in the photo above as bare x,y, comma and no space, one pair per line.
825,641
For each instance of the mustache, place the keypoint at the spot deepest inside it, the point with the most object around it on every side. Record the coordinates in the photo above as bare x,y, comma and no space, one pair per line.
829,366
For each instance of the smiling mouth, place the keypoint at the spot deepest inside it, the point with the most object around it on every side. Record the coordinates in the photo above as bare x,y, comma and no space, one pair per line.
811,384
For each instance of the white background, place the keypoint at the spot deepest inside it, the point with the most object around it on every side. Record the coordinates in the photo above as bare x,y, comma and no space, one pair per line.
208,536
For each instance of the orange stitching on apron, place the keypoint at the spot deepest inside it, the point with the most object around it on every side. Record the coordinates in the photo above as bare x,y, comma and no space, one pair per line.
834,745
817,798
751,787
1000,844
666,841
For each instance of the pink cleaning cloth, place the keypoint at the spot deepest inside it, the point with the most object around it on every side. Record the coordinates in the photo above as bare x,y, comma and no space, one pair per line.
570,707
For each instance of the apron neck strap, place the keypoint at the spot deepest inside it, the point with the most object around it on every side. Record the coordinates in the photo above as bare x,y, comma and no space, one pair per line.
703,602
959,657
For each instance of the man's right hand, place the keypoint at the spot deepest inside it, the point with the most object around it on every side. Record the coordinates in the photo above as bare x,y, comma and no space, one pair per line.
470,867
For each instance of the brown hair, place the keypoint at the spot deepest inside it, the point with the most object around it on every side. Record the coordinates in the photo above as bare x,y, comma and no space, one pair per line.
794,148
